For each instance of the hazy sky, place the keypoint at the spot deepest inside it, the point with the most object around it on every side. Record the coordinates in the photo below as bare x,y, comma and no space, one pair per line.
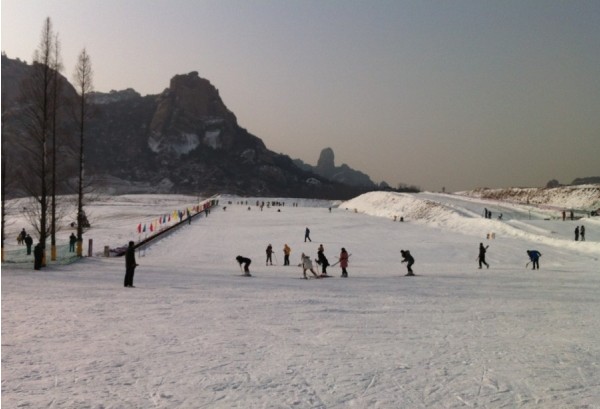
456,94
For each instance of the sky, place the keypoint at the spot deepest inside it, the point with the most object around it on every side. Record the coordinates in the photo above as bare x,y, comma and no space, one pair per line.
437,94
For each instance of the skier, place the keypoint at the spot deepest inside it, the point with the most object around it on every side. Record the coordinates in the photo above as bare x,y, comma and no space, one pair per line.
307,265
322,260
246,262
408,258
534,256
72,241
481,257
577,233
582,233
307,235
286,255
344,262
130,265
28,243
269,254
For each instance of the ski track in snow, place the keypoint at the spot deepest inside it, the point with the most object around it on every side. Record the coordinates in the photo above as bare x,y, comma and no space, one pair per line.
194,334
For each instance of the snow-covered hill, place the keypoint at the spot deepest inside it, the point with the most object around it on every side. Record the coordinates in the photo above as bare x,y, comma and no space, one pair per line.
196,334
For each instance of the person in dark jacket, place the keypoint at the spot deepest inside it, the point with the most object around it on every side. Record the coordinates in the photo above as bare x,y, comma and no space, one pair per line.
246,262
344,262
307,235
481,256
269,254
28,243
582,233
577,233
130,265
409,260
38,255
322,260
534,256
72,241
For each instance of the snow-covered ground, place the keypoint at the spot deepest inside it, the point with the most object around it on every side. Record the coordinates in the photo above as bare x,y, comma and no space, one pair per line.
194,333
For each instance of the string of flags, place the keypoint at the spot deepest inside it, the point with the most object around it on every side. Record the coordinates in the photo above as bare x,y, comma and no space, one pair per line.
176,216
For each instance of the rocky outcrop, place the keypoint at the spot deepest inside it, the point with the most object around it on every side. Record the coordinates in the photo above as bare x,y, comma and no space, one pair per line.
341,174
183,140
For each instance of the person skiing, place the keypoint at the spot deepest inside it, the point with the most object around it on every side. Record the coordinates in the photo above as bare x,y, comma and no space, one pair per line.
246,262
130,265
72,241
481,256
269,254
344,262
28,243
286,255
577,233
582,233
307,265
534,256
307,235
322,260
408,258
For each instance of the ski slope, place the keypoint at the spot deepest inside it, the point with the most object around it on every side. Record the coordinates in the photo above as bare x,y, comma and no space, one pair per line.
195,334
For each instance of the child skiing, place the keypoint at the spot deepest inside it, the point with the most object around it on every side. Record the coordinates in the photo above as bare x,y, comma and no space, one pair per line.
534,256
307,265
407,258
322,260
246,262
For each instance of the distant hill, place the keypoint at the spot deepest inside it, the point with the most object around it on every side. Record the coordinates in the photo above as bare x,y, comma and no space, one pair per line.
343,174
183,140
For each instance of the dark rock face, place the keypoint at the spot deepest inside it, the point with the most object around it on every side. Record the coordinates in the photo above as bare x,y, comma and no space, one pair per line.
183,140
341,174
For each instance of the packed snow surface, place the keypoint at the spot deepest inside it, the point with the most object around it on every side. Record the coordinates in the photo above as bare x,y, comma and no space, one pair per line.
194,333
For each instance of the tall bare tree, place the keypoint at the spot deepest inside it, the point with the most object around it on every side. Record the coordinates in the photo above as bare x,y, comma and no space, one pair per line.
56,83
37,123
84,85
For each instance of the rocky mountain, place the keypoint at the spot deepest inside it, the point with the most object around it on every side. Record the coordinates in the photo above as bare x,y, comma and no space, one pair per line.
183,140
343,174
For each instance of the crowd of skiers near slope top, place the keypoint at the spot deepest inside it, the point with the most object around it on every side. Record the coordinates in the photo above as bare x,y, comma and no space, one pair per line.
305,261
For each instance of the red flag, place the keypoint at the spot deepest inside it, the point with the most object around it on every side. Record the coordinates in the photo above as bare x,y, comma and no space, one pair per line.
139,229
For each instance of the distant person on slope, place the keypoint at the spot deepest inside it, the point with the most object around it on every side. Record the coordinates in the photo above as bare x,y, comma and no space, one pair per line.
286,255
408,258
582,233
307,265
481,256
307,235
577,233
344,262
534,256
269,254
246,262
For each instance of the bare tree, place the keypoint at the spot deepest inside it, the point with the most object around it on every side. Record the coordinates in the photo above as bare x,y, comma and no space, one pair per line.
37,123
56,84
83,84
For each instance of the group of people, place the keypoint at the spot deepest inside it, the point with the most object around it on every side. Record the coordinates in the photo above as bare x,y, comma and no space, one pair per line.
305,261
580,233
534,257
